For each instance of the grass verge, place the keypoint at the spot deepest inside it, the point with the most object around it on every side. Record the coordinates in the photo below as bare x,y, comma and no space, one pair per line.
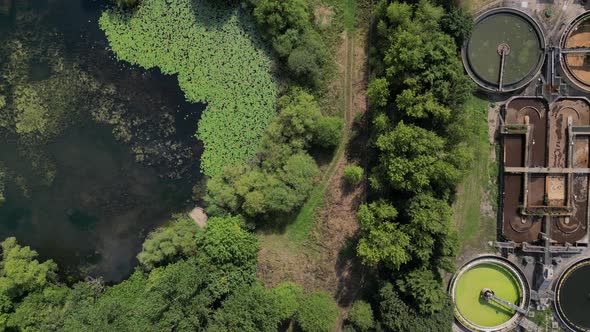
475,203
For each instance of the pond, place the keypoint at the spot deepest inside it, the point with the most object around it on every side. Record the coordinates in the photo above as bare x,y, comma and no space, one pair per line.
117,155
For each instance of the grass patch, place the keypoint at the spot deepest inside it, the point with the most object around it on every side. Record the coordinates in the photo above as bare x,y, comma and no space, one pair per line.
298,231
479,184
349,14
542,319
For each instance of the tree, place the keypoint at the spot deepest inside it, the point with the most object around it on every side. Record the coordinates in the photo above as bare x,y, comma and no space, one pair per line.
277,18
317,313
431,227
288,26
175,297
224,241
251,310
46,310
308,59
400,14
378,92
6,307
424,289
228,253
382,239
353,174
397,316
177,239
327,131
287,296
413,159
299,125
458,24
21,272
299,174
361,316
254,192
222,197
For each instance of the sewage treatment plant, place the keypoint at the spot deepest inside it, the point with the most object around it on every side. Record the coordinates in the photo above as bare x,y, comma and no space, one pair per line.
531,60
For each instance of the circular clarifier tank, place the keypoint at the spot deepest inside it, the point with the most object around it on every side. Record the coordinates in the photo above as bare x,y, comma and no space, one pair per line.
489,275
572,296
505,51
576,65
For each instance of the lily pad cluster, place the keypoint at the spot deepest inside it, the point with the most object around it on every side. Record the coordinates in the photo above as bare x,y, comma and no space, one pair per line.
219,59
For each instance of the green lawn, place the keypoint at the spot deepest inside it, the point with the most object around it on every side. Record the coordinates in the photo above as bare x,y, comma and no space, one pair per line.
475,228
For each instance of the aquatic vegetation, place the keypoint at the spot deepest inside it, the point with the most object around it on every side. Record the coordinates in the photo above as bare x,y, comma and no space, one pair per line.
31,112
219,60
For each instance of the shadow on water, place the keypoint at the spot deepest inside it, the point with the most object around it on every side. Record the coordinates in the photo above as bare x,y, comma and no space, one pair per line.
93,214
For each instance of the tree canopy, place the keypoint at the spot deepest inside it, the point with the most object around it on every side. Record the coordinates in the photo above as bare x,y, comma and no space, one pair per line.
21,272
420,132
317,313
397,316
177,239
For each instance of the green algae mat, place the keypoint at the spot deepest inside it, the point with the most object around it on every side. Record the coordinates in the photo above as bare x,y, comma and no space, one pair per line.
471,304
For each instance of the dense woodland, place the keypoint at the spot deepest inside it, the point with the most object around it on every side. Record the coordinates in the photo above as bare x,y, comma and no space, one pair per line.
258,139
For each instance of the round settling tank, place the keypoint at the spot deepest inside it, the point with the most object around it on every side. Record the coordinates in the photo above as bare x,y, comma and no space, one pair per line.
506,50
572,296
576,65
490,294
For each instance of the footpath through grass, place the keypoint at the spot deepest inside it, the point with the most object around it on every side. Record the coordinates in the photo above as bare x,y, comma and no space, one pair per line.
475,204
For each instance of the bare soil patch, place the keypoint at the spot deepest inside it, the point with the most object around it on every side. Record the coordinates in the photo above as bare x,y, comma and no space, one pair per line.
323,15
199,216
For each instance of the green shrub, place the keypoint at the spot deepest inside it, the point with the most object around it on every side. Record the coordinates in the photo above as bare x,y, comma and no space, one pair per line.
353,174
378,92
249,310
288,26
361,315
287,296
308,59
317,313
175,240
219,60
328,131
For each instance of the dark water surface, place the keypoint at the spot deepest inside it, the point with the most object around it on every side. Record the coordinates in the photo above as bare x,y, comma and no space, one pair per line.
101,203
574,296
488,34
